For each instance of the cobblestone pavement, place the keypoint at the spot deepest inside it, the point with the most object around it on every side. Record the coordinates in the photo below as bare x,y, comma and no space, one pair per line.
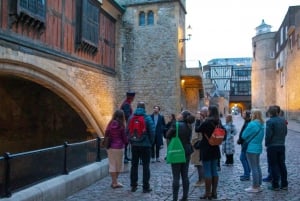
230,187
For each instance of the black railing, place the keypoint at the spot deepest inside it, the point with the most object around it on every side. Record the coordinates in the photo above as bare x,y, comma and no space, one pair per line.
22,170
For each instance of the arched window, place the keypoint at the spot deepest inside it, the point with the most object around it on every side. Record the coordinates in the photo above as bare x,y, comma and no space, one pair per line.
142,19
150,18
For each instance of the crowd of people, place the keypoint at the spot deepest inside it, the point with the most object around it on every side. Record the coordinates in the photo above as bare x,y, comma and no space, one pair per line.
205,157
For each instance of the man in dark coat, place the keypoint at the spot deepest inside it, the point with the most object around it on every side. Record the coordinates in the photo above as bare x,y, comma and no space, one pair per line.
160,124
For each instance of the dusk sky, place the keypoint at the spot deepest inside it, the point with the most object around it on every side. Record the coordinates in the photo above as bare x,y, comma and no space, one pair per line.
224,29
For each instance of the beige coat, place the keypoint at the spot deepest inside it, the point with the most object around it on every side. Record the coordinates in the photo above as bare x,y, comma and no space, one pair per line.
195,157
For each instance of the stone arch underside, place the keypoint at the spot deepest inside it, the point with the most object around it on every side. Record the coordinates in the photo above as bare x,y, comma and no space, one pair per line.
57,85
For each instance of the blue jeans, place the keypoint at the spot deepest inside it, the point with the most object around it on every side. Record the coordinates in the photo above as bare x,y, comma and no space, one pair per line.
210,168
245,164
276,156
253,160
140,153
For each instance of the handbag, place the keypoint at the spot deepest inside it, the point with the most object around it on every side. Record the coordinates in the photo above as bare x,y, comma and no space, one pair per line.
106,142
246,143
175,150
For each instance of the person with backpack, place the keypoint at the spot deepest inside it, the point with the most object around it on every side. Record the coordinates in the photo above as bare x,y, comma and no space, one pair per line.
159,122
185,121
209,154
127,109
141,131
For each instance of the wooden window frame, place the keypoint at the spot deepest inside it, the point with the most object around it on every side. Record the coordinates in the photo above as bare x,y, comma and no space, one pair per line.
87,26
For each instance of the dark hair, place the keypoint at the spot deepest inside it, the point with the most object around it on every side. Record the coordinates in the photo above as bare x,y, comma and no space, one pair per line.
273,111
247,114
277,108
156,106
119,116
213,112
173,117
187,117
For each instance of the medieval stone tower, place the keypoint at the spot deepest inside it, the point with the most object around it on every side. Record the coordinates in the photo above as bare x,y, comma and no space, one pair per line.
276,65
151,55
263,73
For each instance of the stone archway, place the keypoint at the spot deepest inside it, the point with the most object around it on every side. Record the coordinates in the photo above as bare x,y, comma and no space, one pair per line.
57,85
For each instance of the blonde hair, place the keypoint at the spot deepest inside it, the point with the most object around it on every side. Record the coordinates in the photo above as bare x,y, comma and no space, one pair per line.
257,114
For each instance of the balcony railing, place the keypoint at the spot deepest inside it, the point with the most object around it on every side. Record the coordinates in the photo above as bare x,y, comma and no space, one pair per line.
22,170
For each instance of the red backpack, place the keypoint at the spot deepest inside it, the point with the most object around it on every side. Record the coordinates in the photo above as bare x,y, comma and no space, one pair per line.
136,128
217,136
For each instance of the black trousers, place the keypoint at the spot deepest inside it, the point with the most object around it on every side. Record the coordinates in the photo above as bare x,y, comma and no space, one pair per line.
143,154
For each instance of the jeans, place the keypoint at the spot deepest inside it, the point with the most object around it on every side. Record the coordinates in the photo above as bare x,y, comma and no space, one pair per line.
210,168
245,164
140,153
181,169
254,163
276,156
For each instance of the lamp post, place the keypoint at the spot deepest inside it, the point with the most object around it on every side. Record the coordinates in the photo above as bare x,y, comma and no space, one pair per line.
189,34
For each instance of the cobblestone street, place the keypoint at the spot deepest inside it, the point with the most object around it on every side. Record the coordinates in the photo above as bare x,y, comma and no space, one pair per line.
230,187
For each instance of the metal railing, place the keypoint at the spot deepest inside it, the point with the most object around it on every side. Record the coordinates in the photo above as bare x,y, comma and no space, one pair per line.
22,170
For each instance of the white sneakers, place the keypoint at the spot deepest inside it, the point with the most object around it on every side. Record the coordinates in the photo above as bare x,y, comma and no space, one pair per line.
253,190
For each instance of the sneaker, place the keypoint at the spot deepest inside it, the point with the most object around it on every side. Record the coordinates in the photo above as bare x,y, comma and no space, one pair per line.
147,190
199,183
253,190
157,160
152,160
273,188
133,188
267,179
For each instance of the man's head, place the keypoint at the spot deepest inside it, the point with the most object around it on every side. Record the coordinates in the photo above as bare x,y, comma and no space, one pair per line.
156,109
130,96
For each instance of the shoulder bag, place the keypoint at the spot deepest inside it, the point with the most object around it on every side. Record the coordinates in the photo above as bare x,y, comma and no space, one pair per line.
175,150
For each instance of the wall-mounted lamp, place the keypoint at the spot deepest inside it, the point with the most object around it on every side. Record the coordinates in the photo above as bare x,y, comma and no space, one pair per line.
189,34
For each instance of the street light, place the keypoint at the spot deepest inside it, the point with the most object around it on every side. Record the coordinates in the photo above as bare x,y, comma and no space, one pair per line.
189,34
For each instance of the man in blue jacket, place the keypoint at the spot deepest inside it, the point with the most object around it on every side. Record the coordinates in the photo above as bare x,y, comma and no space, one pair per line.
141,150
276,131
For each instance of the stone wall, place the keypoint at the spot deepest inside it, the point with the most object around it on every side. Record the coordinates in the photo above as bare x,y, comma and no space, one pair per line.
151,56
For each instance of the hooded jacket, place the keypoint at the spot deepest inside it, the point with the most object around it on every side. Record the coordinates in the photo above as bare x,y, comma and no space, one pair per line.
150,129
117,135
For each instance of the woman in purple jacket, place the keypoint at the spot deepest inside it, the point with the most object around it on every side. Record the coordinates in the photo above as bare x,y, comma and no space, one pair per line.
118,139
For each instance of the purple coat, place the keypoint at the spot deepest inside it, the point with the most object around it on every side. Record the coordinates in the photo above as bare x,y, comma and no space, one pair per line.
116,132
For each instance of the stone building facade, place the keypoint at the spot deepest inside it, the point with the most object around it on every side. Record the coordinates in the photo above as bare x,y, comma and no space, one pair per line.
128,45
276,66
152,56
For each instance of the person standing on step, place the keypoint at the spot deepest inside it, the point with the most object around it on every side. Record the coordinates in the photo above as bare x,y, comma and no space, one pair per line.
159,122
127,109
